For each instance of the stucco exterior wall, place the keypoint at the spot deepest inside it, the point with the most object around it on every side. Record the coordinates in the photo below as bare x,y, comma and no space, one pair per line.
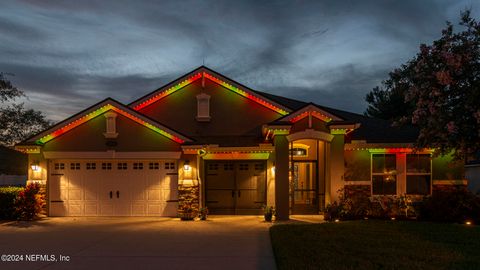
231,114
132,137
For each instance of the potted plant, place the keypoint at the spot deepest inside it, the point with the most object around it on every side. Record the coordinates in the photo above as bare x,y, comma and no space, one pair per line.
269,211
203,213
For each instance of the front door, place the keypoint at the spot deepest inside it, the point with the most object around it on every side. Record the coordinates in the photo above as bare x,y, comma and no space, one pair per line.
235,187
303,187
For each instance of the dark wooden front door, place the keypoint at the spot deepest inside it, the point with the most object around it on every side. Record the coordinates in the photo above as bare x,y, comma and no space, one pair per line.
235,187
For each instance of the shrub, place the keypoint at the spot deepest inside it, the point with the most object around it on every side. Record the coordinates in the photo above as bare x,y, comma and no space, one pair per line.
28,202
358,205
349,206
451,206
8,195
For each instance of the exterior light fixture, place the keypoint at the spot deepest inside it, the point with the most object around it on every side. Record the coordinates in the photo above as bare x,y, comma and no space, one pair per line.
392,218
337,220
35,167
186,165
468,222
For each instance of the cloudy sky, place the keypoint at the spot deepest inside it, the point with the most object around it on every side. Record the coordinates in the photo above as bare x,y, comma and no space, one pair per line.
67,55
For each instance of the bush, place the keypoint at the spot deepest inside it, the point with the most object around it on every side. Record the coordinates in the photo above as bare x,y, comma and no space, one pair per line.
358,205
349,206
451,206
8,195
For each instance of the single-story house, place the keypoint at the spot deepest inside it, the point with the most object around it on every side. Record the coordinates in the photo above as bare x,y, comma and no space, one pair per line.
240,148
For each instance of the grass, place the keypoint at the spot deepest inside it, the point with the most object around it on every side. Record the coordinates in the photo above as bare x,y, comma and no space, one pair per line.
373,244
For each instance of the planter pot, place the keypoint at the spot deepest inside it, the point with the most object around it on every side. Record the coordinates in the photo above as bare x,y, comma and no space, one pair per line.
268,217
203,217
187,216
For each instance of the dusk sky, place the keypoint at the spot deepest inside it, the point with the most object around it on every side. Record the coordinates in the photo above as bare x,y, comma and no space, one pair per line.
67,56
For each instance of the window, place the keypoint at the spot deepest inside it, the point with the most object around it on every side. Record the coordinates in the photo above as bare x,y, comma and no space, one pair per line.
169,165
122,166
243,167
138,166
203,107
298,152
74,166
384,179
259,166
418,174
213,166
228,167
153,165
91,166
59,166
106,166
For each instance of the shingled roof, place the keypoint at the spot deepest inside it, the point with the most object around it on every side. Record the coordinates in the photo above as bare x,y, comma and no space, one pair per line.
372,130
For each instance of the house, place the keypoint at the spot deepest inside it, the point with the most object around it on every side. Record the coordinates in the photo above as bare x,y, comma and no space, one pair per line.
239,148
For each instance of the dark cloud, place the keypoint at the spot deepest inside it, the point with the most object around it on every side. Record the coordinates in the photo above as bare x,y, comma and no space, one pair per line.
69,54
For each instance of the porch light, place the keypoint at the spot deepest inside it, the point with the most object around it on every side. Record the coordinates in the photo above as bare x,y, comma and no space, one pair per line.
35,167
337,220
186,165
468,222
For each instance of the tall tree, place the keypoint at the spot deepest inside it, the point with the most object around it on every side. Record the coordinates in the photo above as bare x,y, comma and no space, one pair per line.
441,89
16,122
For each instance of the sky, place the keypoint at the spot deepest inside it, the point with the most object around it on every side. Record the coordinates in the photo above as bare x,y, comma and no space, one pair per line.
68,55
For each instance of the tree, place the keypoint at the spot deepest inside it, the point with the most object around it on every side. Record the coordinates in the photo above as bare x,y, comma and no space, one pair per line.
441,90
16,122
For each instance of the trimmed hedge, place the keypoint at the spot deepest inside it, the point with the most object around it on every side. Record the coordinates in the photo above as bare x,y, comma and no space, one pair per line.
8,195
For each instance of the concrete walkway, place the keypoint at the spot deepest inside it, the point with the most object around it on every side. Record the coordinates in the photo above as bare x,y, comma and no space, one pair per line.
223,242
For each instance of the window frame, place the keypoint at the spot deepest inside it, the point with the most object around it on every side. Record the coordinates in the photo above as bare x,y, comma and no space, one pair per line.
372,174
418,174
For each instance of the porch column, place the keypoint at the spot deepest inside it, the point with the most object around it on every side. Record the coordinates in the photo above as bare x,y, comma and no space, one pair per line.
337,165
281,176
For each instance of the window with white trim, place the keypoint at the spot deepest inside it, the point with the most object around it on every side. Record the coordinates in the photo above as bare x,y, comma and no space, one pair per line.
384,174
203,107
419,174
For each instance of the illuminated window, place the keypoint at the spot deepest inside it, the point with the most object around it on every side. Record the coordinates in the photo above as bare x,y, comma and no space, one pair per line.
419,174
384,174
169,165
153,166
59,166
138,166
74,166
203,107
106,166
91,166
298,152
122,166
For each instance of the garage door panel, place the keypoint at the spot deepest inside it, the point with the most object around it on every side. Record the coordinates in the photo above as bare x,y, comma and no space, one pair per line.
75,195
139,209
91,209
155,209
85,188
75,209
106,209
170,194
235,186
154,194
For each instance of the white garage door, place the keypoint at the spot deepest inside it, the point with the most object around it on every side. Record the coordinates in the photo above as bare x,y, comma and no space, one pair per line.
113,188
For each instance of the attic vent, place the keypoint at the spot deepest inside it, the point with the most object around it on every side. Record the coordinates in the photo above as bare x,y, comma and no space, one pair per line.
111,131
203,107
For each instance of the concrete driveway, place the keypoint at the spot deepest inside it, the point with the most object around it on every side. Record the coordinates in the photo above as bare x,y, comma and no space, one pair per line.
223,242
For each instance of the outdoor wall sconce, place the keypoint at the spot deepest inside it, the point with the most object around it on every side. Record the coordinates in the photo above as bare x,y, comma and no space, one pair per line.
35,167
186,165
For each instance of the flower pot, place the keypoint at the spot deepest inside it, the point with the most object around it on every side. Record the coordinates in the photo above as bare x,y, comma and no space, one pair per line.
268,217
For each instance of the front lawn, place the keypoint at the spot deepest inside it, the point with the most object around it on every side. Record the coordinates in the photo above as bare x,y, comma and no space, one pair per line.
376,244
